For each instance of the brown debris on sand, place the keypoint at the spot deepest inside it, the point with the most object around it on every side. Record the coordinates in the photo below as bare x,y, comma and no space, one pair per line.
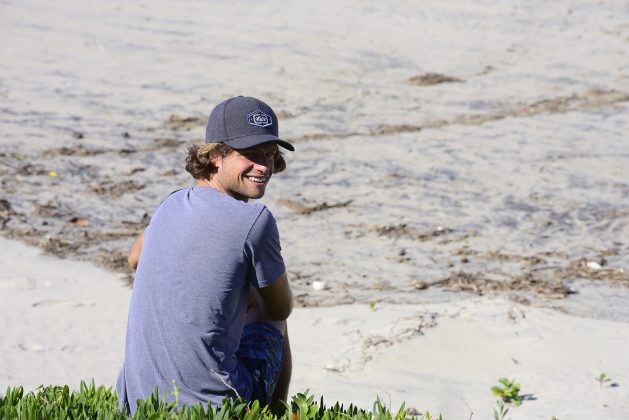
177,122
537,266
322,136
403,230
115,261
588,100
116,189
166,143
388,129
528,260
330,298
79,221
428,79
305,209
282,115
59,246
536,275
76,150
596,270
5,212
477,283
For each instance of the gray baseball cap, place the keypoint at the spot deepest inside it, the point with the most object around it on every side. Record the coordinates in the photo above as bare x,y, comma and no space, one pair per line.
243,122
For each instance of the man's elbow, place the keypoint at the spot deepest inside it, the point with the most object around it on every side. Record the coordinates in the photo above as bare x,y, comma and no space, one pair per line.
132,260
277,299
134,256
279,311
285,312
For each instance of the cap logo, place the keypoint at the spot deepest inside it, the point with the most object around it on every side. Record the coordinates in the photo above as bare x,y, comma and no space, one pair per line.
259,119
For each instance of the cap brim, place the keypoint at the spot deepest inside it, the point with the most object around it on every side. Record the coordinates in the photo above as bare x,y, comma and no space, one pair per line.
254,140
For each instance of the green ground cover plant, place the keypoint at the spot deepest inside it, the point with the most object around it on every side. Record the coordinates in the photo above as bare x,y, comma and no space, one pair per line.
500,411
509,391
100,403
602,379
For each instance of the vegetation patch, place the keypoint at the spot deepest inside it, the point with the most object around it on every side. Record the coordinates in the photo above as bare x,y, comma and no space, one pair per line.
98,402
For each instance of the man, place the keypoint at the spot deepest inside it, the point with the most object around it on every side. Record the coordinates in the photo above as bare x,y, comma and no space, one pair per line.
210,295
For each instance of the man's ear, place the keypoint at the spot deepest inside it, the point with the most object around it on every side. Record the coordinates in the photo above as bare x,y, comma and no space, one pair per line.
217,161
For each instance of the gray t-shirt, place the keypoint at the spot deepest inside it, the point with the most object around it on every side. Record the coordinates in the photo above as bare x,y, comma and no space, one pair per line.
202,251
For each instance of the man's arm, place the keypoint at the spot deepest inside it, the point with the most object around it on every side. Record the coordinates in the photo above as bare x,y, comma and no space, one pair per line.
276,300
136,250
283,382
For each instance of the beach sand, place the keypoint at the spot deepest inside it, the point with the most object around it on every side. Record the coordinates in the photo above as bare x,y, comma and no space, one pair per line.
460,167
64,321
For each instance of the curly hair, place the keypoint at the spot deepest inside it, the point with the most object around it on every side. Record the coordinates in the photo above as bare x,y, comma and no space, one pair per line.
199,159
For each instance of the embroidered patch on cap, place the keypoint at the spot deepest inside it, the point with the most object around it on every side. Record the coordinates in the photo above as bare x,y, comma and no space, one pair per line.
259,119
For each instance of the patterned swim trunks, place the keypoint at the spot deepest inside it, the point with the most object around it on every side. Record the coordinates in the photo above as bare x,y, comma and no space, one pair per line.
261,348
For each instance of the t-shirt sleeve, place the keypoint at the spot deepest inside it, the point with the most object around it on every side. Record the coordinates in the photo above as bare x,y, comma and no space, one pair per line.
263,250
158,208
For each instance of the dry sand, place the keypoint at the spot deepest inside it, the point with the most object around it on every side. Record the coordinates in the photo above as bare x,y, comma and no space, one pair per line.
64,321
452,157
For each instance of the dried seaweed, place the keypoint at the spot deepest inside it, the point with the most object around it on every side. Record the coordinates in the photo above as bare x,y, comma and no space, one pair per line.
303,208
428,79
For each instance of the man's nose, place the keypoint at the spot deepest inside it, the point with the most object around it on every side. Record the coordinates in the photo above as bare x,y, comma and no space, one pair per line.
263,160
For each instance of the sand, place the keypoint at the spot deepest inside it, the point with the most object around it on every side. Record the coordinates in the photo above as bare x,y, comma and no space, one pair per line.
64,321
451,158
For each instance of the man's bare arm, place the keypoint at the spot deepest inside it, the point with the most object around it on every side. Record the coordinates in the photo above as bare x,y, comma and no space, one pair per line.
277,299
136,250
283,382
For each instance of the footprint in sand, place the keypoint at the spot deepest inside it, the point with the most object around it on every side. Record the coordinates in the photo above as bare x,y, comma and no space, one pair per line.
31,347
59,302
338,366
73,349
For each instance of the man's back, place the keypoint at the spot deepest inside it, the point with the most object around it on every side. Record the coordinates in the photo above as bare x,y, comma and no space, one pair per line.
202,251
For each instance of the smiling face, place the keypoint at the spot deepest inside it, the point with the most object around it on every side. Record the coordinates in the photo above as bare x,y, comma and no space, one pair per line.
245,173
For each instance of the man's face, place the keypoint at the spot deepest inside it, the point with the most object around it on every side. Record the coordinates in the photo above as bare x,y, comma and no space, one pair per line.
245,173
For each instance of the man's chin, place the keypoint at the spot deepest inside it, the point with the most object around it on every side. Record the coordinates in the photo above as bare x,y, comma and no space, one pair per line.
256,195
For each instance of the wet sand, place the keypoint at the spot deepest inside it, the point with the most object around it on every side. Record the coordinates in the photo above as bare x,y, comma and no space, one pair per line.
487,158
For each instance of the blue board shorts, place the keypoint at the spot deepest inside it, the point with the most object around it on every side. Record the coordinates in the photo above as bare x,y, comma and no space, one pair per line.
261,349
